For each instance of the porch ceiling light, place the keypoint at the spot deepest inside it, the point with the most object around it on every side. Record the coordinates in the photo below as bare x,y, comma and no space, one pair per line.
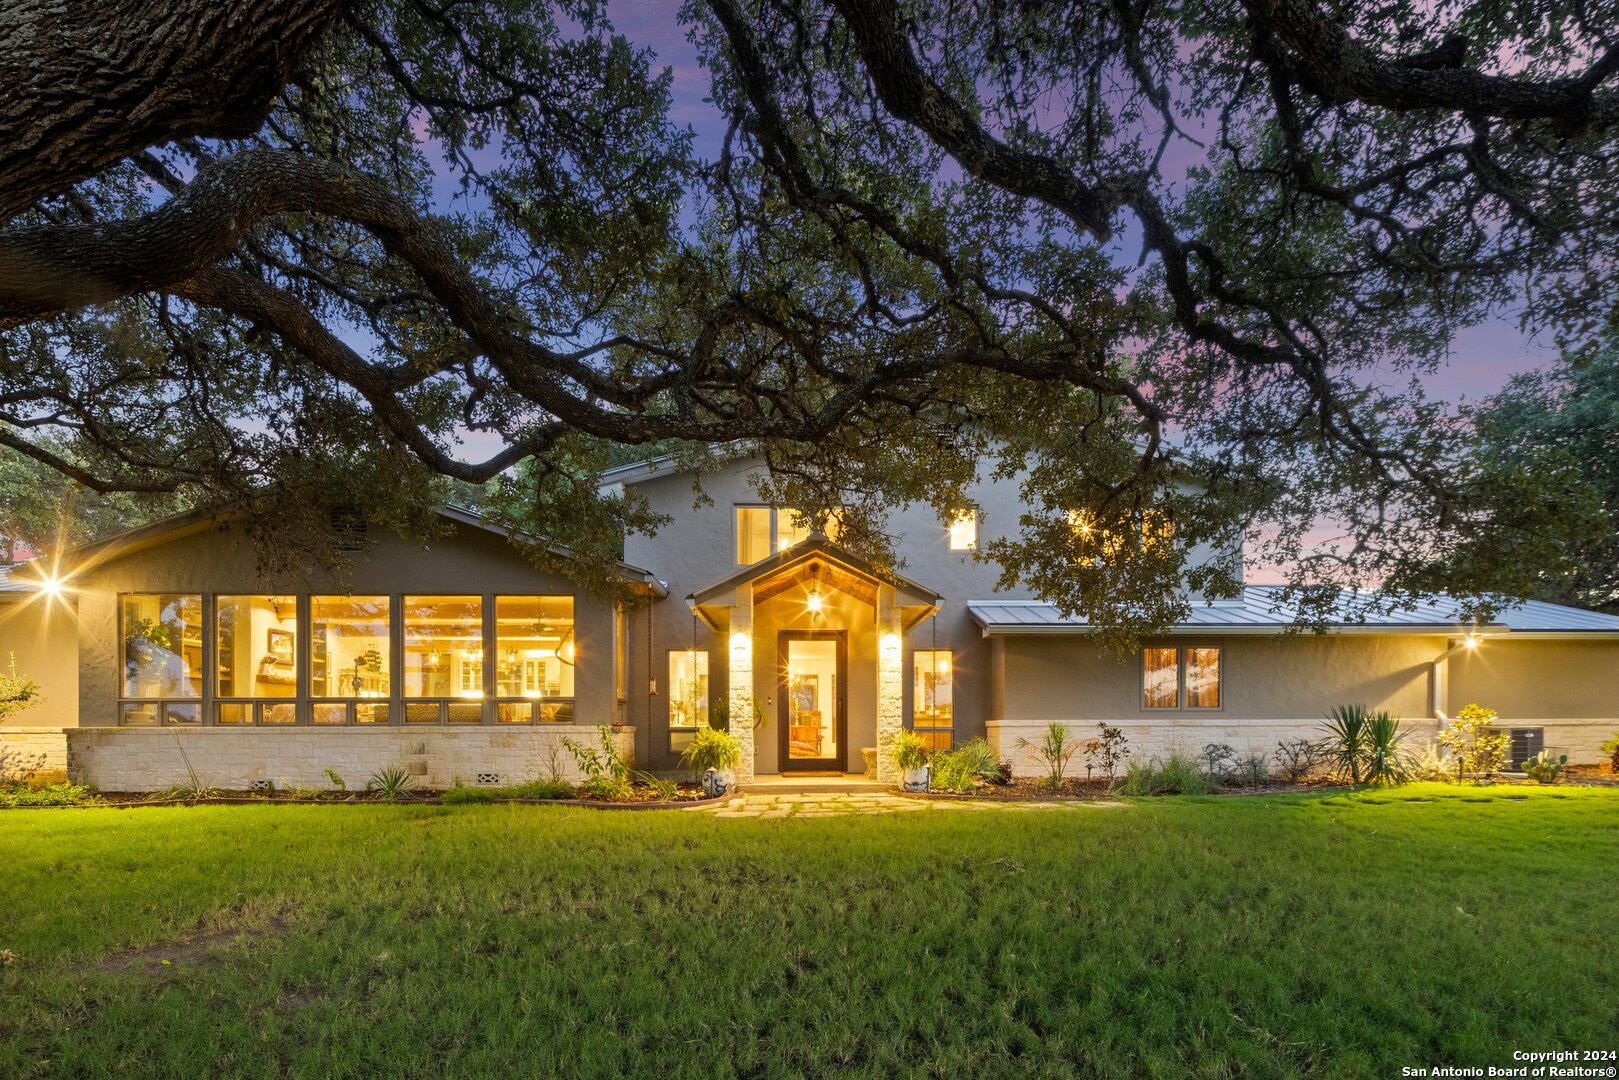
1471,641
814,602
50,587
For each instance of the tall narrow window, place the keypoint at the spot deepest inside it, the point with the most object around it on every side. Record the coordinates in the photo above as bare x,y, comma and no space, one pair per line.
535,658
1202,678
1160,678
255,654
688,694
752,534
964,530
349,654
932,707
443,657
791,529
161,651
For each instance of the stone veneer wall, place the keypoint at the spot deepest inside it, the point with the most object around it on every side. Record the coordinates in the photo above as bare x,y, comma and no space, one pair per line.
36,753
150,759
1579,739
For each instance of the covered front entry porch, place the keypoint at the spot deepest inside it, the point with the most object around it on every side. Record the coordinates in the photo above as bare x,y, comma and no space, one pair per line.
814,659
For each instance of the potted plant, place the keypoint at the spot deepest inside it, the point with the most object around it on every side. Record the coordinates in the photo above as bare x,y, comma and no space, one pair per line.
712,756
911,757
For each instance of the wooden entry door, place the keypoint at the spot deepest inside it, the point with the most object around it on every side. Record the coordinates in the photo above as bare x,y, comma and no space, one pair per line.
812,702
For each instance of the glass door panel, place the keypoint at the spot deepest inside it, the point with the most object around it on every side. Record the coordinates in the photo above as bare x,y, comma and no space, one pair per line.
812,694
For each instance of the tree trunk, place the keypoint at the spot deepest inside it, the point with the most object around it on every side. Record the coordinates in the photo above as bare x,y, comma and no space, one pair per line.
90,83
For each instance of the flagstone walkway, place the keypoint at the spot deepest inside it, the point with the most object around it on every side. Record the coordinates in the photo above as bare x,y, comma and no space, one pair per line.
836,803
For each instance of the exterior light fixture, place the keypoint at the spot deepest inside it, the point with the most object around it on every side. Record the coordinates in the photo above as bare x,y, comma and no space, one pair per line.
50,586
814,602
1472,641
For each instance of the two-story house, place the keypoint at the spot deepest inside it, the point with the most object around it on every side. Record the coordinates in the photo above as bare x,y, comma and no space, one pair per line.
164,650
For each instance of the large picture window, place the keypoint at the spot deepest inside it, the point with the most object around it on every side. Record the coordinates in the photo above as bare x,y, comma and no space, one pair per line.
932,706
256,646
161,651
349,645
535,654
443,659
688,694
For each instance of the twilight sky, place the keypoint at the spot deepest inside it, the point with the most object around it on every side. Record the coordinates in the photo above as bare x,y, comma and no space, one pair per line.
1482,359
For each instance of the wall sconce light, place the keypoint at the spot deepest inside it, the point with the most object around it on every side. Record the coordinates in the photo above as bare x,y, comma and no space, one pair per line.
814,602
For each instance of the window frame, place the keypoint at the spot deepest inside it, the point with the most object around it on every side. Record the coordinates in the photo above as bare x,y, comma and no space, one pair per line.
933,728
566,705
161,703
778,516
972,517
1182,699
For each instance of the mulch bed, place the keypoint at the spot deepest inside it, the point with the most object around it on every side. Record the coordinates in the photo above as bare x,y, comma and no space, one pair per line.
644,799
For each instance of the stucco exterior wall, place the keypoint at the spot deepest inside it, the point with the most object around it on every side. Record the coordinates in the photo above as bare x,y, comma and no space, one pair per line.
145,759
1279,688
40,634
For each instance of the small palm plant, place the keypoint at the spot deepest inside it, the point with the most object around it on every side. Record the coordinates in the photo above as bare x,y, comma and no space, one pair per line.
1054,749
390,784
1385,761
1347,731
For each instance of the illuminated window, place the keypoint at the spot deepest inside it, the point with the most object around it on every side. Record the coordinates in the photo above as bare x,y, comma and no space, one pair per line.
256,646
349,646
791,528
1154,527
1166,672
443,646
932,709
688,694
752,534
161,653
1160,678
964,530
535,654
1202,678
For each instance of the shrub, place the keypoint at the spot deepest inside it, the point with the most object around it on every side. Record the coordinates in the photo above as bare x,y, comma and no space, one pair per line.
1479,748
910,750
1545,769
534,789
960,769
17,793
1217,760
1177,774
711,748
665,790
1429,765
1108,752
1253,770
1346,738
607,775
17,692
336,778
1611,748
1055,748
1297,758
390,784
1385,765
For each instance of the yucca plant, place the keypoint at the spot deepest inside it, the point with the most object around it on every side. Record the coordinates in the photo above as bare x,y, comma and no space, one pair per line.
1347,738
1054,749
960,770
390,784
1385,761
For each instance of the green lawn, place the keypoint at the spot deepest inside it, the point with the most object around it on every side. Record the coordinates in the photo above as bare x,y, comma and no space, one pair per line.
1347,935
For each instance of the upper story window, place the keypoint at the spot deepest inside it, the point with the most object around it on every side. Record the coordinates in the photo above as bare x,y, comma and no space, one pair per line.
761,531
1154,527
964,530
1172,676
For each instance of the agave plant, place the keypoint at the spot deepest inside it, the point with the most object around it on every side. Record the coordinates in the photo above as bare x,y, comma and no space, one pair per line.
1385,761
390,784
1347,731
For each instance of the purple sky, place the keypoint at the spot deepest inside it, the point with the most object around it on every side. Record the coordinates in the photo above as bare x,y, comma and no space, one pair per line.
1482,359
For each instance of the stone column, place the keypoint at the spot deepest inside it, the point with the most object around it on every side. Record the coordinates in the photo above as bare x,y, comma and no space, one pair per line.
740,675
890,683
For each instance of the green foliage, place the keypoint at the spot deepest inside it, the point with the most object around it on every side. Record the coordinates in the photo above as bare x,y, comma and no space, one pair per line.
961,769
1055,748
607,774
390,784
1346,740
1430,765
534,789
1385,763
1252,770
1611,748
16,793
1176,774
17,692
910,750
1479,749
711,748
664,789
336,779
1107,753
1217,761
1545,769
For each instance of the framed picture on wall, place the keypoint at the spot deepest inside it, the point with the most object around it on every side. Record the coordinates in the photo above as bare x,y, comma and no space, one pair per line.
279,645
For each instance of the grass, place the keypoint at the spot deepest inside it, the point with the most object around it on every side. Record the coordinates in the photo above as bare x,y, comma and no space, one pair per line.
1341,935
